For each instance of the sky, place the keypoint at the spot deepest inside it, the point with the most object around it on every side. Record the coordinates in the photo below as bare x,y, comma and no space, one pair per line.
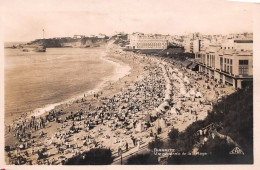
24,20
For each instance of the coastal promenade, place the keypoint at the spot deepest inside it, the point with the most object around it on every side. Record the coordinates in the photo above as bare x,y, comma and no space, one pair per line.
156,96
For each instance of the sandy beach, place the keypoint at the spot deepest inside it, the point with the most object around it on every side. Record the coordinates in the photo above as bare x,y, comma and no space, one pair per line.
146,97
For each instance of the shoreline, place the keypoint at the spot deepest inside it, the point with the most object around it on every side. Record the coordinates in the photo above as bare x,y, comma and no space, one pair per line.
120,70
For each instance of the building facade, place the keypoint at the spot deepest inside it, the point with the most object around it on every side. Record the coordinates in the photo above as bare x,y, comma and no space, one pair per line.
229,63
144,41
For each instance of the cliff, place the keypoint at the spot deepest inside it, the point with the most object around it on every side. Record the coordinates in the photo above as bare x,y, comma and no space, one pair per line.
68,42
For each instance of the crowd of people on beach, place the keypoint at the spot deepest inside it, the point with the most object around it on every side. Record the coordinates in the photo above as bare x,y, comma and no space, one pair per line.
163,96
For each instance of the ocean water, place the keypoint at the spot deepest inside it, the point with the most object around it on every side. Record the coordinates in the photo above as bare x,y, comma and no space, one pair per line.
34,80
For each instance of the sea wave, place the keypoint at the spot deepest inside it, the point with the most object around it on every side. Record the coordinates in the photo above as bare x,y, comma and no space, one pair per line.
120,70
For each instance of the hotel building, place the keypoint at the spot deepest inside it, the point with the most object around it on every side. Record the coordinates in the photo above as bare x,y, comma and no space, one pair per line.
230,62
145,41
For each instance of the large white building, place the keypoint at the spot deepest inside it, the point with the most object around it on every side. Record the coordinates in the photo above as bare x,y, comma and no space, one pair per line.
147,41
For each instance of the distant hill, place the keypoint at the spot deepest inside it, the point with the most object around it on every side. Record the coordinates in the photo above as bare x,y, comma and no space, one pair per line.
69,42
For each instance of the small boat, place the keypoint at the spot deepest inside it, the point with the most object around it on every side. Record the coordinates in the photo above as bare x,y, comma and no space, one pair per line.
25,50
40,49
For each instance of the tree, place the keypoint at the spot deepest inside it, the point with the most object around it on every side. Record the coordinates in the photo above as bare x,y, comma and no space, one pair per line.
157,143
173,134
143,159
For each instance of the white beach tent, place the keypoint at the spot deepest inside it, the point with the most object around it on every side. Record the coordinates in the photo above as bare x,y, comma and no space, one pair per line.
139,127
154,113
160,123
182,91
167,96
170,70
163,123
173,111
178,105
192,92
180,74
168,91
187,95
209,97
164,104
158,110
175,77
161,108
147,117
186,80
198,95
168,86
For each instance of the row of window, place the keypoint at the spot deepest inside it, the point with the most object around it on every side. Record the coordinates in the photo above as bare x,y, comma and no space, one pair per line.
151,45
243,67
226,64
243,62
228,61
148,38
227,48
156,44
228,69
210,59
243,70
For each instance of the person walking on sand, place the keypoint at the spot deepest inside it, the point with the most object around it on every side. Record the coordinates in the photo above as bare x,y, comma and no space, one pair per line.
126,146
138,145
119,151
133,139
